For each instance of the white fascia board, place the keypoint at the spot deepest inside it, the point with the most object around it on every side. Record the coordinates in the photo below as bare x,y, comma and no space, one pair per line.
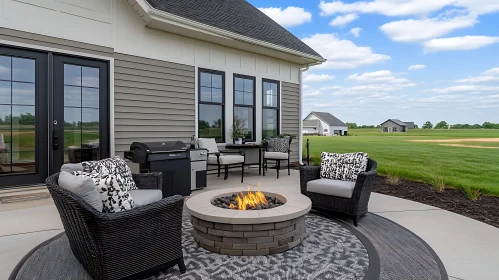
149,13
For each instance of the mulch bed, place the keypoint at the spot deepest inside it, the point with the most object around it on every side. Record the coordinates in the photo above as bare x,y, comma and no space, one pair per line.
484,209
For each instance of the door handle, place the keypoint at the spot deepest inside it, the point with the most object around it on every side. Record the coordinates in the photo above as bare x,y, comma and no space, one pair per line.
55,140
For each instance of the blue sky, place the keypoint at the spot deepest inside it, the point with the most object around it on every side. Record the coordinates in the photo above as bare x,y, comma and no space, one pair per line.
452,46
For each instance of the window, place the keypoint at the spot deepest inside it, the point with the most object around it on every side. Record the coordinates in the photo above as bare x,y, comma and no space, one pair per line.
270,108
244,104
385,129
325,130
394,129
211,104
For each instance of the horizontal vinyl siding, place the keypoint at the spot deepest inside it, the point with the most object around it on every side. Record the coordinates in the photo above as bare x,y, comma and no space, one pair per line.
153,101
290,120
52,42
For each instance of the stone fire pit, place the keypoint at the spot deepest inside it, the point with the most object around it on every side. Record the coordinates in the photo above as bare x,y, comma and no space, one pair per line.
249,232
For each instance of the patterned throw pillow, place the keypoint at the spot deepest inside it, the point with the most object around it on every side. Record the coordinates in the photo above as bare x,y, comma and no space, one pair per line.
344,167
114,197
114,165
280,145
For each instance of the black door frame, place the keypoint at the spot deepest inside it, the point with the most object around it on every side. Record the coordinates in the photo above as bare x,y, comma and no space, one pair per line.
41,125
57,97
47,106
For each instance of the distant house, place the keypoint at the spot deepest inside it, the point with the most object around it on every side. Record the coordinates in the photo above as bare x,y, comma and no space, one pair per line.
394,125
324,123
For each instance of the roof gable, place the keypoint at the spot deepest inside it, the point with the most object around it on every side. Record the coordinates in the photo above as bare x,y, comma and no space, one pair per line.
328,118
237,16
397,121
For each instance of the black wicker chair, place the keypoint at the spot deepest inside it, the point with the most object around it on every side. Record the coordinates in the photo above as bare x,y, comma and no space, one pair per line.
356,206
124,245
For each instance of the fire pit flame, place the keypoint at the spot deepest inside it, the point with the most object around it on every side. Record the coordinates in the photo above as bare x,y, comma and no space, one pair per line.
253,199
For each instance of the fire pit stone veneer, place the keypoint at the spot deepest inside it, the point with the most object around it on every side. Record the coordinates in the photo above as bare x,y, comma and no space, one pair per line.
250,232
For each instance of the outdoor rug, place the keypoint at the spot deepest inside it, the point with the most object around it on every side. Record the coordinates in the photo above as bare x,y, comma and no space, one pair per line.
333,249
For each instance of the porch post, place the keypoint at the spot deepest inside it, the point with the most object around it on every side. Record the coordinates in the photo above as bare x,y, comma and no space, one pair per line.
300,111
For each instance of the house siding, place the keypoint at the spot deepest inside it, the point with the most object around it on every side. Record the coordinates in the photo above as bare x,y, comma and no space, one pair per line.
290,120
153,101
391,124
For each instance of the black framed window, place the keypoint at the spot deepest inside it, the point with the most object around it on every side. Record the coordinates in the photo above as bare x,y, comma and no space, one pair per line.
211,88
244,103
270,108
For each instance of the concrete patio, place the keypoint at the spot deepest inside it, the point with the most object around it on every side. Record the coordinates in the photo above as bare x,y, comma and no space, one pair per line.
469,249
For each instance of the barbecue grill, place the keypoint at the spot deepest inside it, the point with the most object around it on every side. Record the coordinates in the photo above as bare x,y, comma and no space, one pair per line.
172,158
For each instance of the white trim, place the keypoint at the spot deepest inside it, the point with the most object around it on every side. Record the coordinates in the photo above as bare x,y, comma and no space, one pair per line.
153,13
82,54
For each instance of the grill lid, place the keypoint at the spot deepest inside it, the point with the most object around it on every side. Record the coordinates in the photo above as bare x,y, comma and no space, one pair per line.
159,147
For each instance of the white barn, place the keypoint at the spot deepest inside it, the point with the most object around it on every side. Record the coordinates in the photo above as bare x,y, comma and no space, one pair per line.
324,123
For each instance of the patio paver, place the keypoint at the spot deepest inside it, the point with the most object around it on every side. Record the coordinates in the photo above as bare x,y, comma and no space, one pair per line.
469,249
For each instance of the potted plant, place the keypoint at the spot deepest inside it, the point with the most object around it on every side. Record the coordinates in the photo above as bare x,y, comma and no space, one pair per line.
285,134
238,131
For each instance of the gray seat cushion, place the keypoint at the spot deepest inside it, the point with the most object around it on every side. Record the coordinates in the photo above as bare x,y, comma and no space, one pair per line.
276,155
70,167
82,187
144,197
331,187
226,159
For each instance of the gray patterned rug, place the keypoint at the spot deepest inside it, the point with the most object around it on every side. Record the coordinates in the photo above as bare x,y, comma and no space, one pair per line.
332,250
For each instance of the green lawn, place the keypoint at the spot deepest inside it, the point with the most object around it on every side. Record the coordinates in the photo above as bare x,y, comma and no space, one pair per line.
462,167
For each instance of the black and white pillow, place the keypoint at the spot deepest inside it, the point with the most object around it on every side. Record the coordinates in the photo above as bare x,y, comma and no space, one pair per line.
280,145
344,167
114,197
114,165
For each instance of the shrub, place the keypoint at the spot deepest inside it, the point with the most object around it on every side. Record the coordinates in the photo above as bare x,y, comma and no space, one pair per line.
392,180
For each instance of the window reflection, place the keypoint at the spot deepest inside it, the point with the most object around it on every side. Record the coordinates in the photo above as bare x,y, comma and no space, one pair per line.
17,115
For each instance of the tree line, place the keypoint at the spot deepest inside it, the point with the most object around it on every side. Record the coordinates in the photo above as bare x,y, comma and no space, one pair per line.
439,125
445,125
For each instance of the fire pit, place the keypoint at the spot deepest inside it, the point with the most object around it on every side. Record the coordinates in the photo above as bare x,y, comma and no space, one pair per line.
247,201
248,227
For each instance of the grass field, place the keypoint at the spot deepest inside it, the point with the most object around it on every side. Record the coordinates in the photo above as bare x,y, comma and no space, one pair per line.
431,162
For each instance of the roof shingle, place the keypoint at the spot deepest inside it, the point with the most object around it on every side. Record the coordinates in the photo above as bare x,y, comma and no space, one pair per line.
236,16
329,119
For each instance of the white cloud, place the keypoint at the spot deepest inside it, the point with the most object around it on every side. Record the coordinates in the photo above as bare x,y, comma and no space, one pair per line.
488,76
289,17
417,67
417,30
459,43
406,7
342,54
343,20
384,76
316,78
492,72
356,31
473,89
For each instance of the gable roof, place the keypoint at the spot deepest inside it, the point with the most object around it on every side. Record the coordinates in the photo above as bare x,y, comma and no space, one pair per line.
237,16
311,123
397,121
329,119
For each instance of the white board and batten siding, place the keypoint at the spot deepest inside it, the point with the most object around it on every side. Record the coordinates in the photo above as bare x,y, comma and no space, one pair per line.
290,119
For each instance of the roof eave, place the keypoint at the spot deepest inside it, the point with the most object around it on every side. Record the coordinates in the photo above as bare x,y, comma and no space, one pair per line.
154,17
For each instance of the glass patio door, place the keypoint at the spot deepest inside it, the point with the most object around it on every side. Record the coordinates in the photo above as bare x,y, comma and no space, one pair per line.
80,125
23,117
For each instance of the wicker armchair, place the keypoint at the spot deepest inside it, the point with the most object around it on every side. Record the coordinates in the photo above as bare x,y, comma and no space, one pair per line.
356,206
123,245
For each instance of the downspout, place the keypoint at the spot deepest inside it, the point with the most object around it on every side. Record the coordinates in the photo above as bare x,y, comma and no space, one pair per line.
300,136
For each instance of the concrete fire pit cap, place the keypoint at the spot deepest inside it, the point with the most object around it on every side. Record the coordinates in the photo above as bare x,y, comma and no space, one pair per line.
200,207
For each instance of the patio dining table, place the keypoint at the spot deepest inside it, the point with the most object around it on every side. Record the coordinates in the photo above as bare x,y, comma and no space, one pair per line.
248,147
